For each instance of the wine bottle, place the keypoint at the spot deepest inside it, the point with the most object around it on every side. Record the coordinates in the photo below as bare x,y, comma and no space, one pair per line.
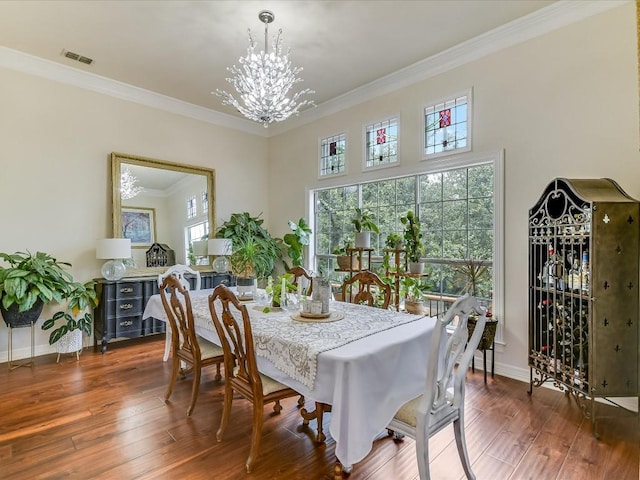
585,275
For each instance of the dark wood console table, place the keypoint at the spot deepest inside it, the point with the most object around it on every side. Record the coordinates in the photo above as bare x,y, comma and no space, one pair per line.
119,313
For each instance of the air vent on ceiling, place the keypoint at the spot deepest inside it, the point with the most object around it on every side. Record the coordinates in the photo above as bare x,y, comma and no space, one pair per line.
76,57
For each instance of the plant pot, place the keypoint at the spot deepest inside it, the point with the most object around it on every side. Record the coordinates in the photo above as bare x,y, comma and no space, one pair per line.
246,286
70,342
343,262
416,267
414,307
15,319
486,341
363,239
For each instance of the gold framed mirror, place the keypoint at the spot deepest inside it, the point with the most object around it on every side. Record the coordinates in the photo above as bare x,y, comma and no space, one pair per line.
169,200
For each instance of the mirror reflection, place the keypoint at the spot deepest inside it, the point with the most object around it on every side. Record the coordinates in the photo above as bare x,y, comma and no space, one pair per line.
163,207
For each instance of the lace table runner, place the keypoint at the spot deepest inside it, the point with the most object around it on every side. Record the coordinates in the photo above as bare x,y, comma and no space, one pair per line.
293,346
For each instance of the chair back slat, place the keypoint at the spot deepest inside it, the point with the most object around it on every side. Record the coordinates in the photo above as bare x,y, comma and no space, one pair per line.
445,382
300,273
369,287
177,305
236,337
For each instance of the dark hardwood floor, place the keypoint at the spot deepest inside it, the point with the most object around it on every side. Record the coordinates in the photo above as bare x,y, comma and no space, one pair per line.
104,417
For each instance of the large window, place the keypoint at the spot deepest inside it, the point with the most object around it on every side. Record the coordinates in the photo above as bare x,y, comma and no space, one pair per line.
457,210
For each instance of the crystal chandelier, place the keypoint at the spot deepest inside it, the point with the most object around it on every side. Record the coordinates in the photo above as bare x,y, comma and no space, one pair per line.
264,80
128,187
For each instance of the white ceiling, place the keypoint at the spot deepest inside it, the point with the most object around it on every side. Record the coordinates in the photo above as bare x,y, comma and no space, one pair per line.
182,48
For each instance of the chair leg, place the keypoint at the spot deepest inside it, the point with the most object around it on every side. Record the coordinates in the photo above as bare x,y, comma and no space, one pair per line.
218,377
277,407
226,410
461,442
194,388
422,454
175,370
167,345
301,401
256,433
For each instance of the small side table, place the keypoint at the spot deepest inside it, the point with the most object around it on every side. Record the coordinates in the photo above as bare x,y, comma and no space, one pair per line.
30,363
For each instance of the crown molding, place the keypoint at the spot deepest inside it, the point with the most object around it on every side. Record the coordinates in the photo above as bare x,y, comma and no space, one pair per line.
30,64
541,22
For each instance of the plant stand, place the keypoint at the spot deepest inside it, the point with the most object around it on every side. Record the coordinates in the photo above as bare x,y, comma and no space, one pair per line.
30,363
487,342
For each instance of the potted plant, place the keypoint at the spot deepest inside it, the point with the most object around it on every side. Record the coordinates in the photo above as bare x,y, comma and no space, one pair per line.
413,242
68,335
364,225
255,251
412,289
394,241
345,261
296,241
473,272
30,282
275,289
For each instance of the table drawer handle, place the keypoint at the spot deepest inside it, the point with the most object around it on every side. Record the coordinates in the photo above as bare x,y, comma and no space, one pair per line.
126,290
126,323
126,306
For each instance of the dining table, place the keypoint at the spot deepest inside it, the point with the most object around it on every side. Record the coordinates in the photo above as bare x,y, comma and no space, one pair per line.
364,362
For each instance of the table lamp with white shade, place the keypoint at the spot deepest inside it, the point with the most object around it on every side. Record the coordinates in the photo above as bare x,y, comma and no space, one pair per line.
220,248
200,250
113,249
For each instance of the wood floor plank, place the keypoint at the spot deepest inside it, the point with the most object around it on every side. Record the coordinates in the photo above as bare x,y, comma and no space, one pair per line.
105,417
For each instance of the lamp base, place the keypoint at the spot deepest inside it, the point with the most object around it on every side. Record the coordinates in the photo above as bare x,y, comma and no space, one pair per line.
221,265
113,270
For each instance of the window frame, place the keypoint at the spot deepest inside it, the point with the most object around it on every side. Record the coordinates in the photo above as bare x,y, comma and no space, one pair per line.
452,163
365,150
431,104
346,143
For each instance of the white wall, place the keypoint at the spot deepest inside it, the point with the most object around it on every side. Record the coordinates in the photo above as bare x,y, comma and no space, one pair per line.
561,105
55,194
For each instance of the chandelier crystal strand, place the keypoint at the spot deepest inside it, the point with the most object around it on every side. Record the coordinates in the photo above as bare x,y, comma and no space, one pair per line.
264,80
128,187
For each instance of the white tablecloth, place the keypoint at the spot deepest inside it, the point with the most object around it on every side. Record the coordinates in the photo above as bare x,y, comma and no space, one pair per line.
365,381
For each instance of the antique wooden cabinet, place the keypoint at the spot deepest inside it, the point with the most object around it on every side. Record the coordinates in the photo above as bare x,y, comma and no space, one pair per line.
583,290
122,302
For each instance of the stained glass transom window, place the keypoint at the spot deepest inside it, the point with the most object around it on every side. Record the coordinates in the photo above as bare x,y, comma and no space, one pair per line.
381,140
447,126
333,151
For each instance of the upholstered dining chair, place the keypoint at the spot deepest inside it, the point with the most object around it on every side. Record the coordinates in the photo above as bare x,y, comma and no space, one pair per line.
369,287
186,346
442,402
300,273
179,272
241,368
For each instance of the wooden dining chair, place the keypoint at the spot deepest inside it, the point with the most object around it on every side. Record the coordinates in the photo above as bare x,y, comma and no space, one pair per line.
370,288
189,351
179,272
442,402
300,273
241,368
